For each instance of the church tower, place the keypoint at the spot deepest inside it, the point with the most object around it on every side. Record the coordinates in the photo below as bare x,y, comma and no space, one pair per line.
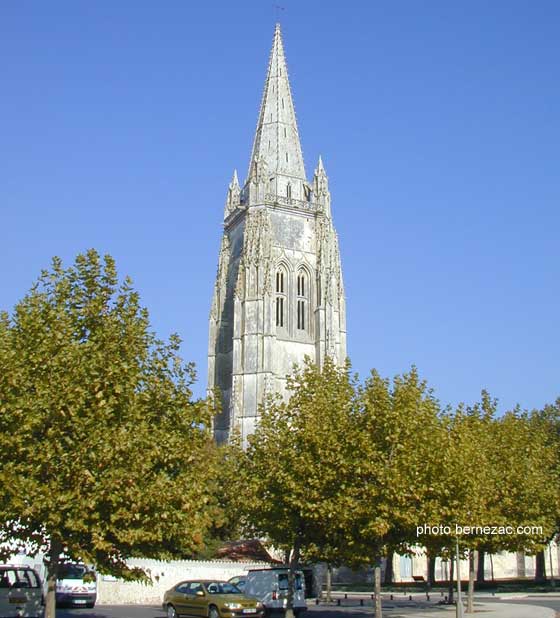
279,294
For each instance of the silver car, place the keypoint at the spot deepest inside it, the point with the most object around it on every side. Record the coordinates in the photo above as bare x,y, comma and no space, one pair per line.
21,593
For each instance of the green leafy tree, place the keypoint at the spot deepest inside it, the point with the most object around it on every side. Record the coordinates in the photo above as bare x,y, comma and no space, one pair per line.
496,473
401,437
299,467
338,472
523,488
527,488
463,485
104,453
228,525
548,420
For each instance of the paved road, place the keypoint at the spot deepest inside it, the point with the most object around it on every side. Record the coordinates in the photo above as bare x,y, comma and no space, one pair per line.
399,607
552,602
113,611
351,610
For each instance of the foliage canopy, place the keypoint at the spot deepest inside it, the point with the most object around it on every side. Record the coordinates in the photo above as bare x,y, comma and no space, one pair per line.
105,454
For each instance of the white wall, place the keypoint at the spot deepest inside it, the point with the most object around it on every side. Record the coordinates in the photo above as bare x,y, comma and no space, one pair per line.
165,575
504,566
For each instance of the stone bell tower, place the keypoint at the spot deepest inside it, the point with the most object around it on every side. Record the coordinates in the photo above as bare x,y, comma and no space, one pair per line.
279,294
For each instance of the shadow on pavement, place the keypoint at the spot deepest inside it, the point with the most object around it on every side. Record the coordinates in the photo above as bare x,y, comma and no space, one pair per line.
113,611
360,611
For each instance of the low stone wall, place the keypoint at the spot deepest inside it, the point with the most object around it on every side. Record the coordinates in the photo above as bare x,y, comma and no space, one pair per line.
112,591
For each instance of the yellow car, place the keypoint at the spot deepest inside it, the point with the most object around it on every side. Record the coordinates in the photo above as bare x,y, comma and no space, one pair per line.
211,599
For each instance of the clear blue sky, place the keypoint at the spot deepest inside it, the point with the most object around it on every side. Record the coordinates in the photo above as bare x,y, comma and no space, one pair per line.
121,123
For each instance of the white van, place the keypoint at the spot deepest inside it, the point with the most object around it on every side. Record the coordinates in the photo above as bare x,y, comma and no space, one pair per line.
76,585
270,587
21,592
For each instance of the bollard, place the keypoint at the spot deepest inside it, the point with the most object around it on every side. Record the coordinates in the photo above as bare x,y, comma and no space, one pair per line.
410,597
427,597
372,597
316,601
345,596
391,597
338,601
362,602
445,598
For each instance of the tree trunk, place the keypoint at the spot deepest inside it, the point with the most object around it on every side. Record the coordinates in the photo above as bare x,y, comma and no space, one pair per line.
520,558
473,555
377,587
294,562
451,587
431,575
388,579
540,567
459,602
52,561
480,567
329,583
551,565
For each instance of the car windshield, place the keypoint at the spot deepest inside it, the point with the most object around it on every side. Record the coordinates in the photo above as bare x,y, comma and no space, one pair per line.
222,588
72,571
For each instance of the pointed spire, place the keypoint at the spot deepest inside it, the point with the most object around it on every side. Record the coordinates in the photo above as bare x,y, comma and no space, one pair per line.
233,195
276,138
321,187
234,180
320,175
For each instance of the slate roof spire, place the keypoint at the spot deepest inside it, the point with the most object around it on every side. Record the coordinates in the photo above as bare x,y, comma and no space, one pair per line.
277,138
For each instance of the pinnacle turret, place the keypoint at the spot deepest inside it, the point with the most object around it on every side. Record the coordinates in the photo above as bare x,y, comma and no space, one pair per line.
233,196
321,187
235,180
276,138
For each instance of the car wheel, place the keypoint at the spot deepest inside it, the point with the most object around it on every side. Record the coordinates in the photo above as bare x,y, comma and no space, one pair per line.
171,613
213,612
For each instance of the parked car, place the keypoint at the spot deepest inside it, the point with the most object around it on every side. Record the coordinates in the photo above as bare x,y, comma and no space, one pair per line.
76,586
21,592
239,581
210,598
270,587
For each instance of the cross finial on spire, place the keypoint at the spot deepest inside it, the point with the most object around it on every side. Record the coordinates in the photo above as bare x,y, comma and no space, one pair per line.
277,9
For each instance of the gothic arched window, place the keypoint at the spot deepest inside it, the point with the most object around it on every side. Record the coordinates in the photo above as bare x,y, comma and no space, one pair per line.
281,299
302,300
